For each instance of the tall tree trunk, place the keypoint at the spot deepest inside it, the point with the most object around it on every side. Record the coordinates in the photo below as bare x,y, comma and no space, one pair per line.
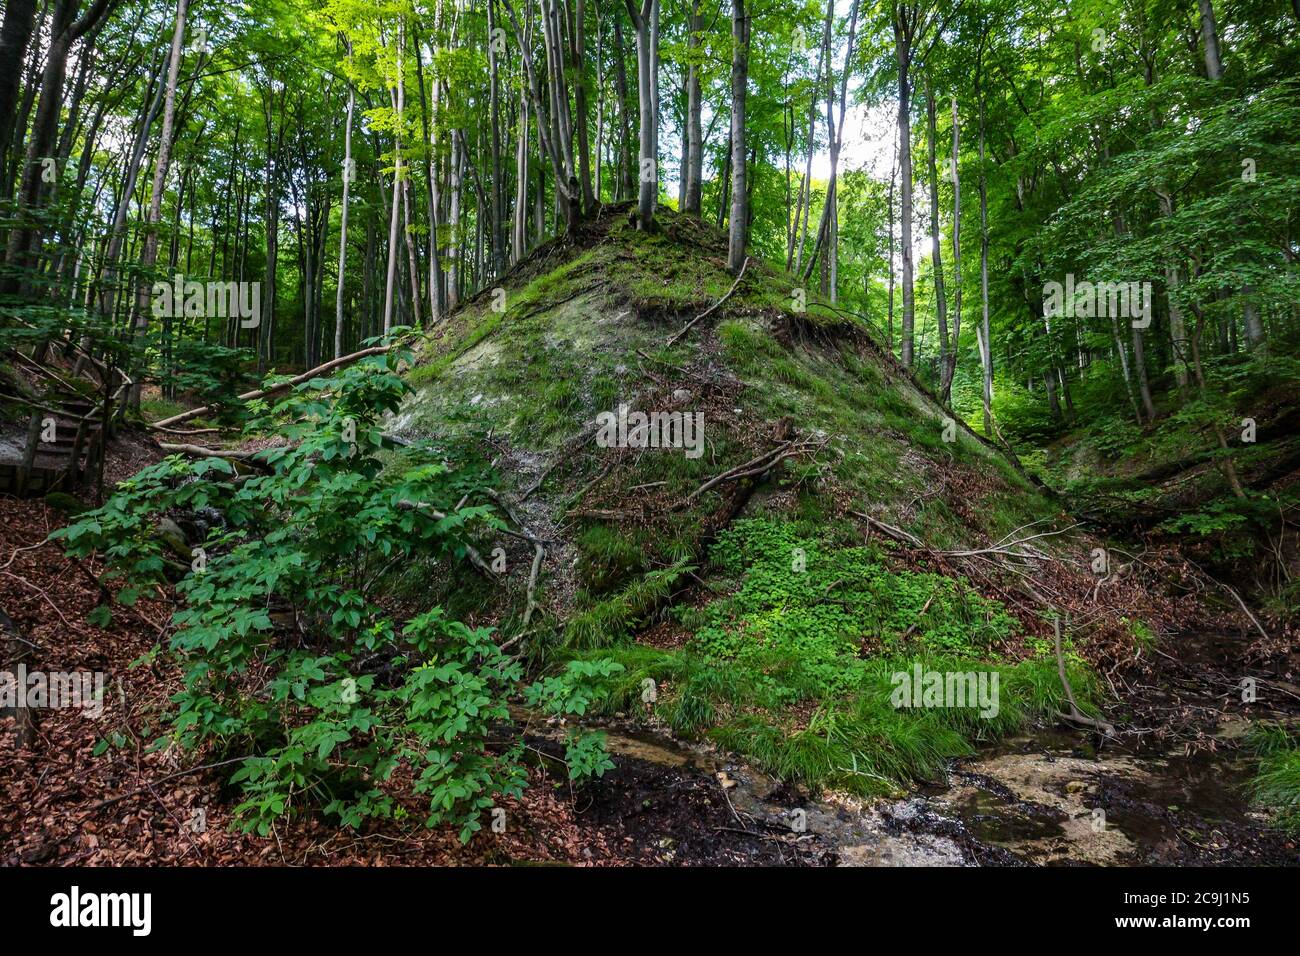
578,53
828,231
494,98
25,241
986,343
15,34
950,369
455,188
150,253
519,244
647,62
893,181
1140,373
625,177
437,294
739,226
805,192
554,129
1177,325
694,137
1210,38
390,281
348,173
936,243
903,51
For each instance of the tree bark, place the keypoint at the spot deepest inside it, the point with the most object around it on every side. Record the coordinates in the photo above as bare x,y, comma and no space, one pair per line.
936,243
1210,38
647,62
986,343
15,34
348,173
494,107
150,253
694,138
902,46
950,369
739,225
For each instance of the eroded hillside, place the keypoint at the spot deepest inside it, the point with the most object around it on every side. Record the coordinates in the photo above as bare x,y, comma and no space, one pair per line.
833,527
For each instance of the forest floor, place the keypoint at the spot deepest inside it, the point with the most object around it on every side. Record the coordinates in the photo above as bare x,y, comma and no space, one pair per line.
64,803
91,792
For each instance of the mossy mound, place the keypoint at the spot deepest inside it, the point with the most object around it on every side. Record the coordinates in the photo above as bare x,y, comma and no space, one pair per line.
808,428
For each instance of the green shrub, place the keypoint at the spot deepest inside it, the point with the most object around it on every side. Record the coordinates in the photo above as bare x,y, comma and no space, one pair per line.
344,698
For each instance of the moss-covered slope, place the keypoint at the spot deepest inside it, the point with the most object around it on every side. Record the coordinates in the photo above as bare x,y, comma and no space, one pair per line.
750,578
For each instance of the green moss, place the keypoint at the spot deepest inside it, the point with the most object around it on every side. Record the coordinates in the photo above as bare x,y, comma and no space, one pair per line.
803,627
609,620
607,556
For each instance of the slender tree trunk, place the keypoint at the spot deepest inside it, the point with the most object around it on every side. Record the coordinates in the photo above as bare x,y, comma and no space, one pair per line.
65,30
805,192
901,43
554,129
1226,464
348,173
625,178
739,231
15,34
578,53
494,99
694,136
986,343
519,245
390,282
893,180
150,253
647,63
936,243
828,232
455,186
950,370
1210,38
437,294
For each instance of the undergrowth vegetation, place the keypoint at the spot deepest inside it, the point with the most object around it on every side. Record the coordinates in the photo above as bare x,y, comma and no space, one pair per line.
293,657
794,663
1276,786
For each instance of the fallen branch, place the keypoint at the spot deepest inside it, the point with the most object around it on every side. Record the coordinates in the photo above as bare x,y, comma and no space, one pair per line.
279,387
202,452
1075,716
530,603
1237,597
586,435
1008,549
898,534
755,466
429,511
189,431
911,628
711,309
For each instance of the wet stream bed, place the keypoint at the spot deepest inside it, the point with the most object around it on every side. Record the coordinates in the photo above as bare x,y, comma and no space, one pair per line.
1053,796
